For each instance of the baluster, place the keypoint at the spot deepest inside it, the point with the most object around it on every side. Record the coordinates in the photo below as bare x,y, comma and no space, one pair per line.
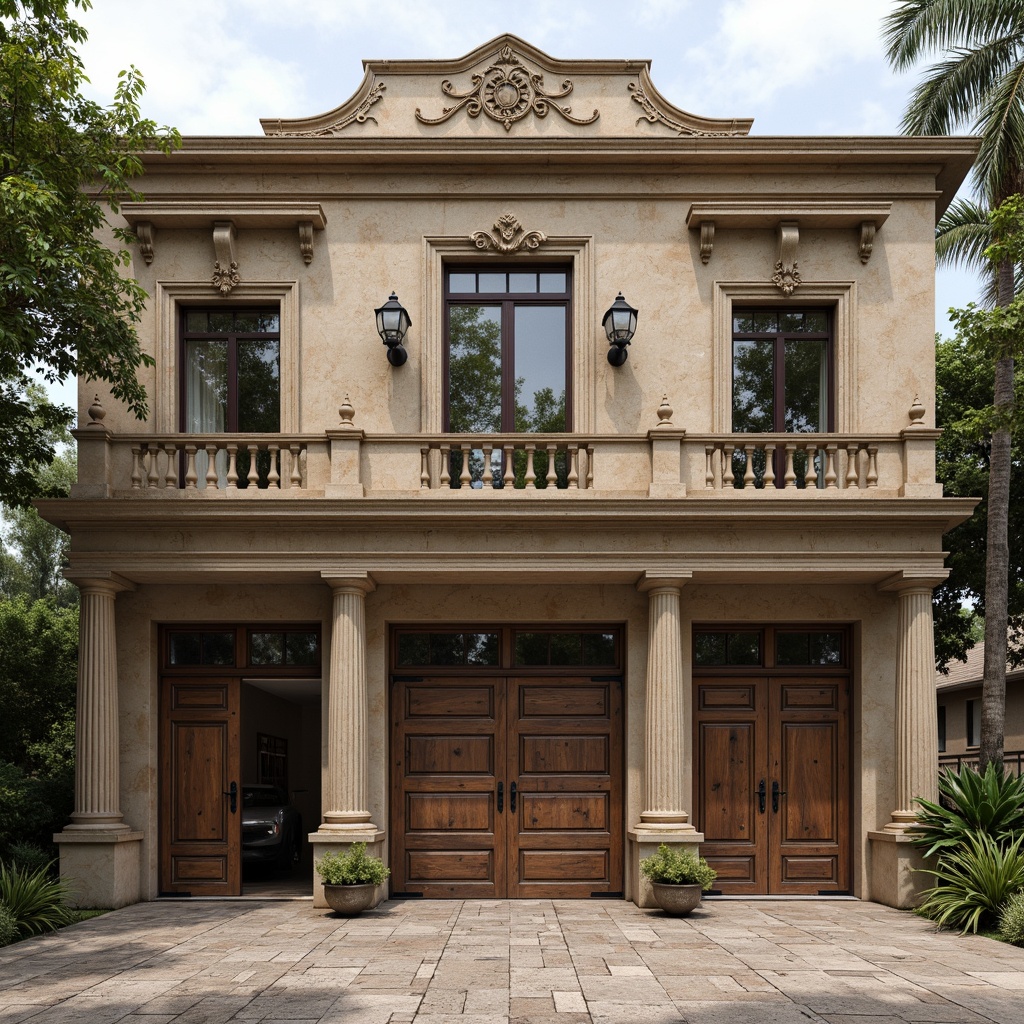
748,466
211,467
831,476
728,478
789,477
572,456
590,467
769,466
709,467
811,476
136,467
852,469
232,467
446,475
253,476
153,477
465,477
509,476
296,477
424,469
552,476
171,471
273,477
531,476
191,476
872,465
488,477
286,462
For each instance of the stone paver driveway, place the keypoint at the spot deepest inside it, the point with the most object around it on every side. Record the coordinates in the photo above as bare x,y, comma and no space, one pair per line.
488,962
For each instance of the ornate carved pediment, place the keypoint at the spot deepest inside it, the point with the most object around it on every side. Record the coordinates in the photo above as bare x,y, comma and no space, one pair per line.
656,112
508,236
356,111
506,92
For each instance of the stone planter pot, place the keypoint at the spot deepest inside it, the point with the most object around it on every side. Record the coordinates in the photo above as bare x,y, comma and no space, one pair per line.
349,900
676,900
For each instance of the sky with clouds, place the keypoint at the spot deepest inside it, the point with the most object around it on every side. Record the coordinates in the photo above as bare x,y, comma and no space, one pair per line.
803,67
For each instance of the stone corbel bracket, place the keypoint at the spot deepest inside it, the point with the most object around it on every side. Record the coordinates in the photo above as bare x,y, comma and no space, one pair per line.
786,217
144,217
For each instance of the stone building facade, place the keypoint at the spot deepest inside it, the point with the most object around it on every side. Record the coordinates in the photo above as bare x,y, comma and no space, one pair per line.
518,607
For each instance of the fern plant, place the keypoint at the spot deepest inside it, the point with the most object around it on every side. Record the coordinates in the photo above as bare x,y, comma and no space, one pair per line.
975,881
8,926
353,868
36,901
991,803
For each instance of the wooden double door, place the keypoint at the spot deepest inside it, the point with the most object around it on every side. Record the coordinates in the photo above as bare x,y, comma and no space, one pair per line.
772,783
507,787
200,787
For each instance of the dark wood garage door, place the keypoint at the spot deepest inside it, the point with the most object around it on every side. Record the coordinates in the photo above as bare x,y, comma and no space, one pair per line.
507,787
773,783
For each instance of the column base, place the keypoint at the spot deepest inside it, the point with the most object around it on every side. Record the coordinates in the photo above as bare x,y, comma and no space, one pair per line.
332,839
102,868
644,840
896,863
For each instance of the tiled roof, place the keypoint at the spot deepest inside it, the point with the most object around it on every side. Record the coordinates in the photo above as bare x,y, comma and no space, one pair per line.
970,672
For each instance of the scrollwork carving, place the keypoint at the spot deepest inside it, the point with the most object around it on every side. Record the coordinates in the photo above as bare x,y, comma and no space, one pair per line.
655,116
506,92
358,116
508,236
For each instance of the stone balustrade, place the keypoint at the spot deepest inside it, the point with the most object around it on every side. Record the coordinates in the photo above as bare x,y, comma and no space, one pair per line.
546,462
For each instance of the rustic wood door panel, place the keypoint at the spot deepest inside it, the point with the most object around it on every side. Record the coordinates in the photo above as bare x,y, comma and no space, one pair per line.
507,787
772,783
200,835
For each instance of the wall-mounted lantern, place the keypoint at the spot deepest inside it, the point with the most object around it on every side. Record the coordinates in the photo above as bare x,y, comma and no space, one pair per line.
392,323
619,324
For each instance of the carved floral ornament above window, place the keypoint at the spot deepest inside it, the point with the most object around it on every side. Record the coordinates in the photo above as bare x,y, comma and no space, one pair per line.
508,236
506,92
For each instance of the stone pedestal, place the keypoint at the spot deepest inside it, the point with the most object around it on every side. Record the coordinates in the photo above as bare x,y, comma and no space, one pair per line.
895,866
326,843
645,843
103,869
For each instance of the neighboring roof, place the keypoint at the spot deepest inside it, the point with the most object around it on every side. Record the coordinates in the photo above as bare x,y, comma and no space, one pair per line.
964,674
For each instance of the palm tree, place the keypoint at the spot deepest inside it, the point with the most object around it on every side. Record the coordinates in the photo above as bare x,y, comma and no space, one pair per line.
977,84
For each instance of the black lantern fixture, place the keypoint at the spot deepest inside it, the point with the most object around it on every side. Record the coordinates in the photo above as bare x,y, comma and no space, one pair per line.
392,323
619,324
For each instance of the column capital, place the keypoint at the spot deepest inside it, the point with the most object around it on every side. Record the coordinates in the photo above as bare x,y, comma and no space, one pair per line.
653,580
348,581
104,582
913,579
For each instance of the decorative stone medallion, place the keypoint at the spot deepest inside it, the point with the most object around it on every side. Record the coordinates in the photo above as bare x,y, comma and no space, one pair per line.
506,92
508,236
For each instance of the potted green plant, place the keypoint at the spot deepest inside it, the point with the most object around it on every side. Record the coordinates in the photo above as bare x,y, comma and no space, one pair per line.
350,879
678,877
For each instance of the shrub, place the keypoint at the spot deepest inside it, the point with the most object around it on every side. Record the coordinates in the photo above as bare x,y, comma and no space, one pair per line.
678,867
353,868
8,926
1011,920
28,856
975,880
992,804
34,899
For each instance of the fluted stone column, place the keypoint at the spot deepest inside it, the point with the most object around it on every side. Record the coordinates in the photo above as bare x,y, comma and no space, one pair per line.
664,818
99,853
896,863
917,733
347,723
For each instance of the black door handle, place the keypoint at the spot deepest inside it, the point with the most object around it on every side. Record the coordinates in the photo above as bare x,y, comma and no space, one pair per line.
512,798
761,796
776,793
501,797
233,794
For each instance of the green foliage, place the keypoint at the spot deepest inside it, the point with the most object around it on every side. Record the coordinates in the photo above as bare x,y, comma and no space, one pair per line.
66,306
989,804
1011,920
36,900
28,856
8,926
964,386
975,881
353,868
675,866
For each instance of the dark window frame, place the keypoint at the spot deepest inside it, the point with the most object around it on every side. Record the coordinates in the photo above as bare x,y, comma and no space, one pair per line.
241,667
769,664
779,338
508,301
232,338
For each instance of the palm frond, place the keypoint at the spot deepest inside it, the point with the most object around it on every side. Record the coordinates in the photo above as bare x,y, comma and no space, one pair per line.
962,235
954,90
917,27
1000,122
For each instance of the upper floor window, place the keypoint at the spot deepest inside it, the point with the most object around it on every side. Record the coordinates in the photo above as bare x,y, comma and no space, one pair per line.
507,358
781,371
231,360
